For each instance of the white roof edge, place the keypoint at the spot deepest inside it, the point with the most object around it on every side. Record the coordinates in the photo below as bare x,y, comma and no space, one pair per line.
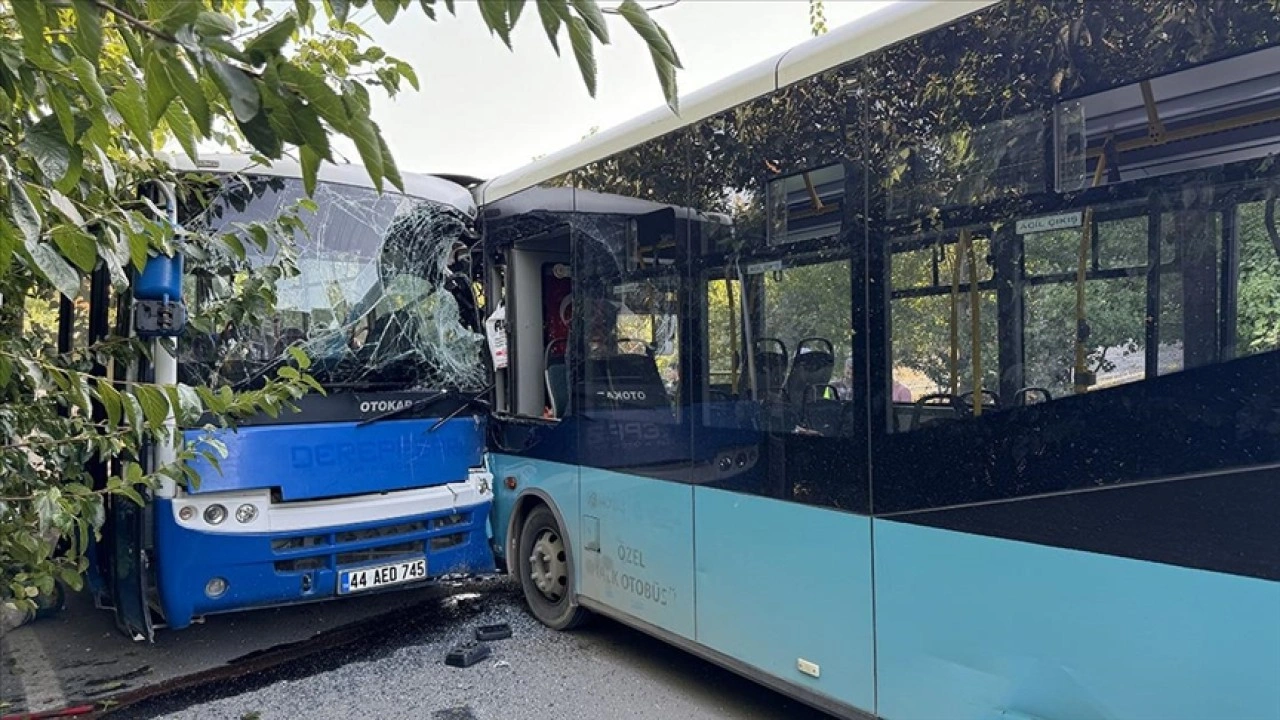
738,88
418,185
884,27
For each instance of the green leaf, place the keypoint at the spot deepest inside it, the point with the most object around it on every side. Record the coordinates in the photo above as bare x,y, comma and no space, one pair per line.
272,39
305,11
514,8
160,91
389,169
387,9
322,98
45,143
55,269
139,249
338,9
64,205
173,14
310,168
259,133
62,109
365,136
653,35
188,88
233,243
590,12
116,257
129,101
298,354
408,73
215,24
428,8
108,170
31,16
110,398
154,404
551,21
88,37
184,131
238,88
87,76
77,246
580,38
494,13
25,215
189,401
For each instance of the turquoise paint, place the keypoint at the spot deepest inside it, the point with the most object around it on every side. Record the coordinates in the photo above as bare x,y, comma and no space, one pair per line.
638,548
971,627
557,481
779,581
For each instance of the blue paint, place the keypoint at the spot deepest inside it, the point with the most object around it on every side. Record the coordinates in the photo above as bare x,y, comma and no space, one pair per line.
972,627
779,581
642,563
310,461
186,560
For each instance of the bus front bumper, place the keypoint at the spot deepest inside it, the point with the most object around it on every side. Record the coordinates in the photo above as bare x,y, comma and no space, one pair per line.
298,552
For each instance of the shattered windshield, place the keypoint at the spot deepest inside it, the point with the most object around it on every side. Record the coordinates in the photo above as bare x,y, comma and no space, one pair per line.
381,298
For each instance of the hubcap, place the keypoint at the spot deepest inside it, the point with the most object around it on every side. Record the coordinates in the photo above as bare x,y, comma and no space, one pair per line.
547,566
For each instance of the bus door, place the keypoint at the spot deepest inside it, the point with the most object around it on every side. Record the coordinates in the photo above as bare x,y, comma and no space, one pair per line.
118,571
635,447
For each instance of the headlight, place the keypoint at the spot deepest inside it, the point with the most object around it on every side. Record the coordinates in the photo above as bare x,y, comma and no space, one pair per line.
246,513
215,514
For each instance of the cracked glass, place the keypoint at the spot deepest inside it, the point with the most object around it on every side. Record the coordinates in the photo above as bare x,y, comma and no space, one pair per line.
382,298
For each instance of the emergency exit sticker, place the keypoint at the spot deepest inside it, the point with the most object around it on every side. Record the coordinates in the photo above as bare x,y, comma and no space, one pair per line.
1050,222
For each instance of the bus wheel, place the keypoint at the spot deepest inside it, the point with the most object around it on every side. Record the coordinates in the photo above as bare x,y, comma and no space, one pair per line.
546,575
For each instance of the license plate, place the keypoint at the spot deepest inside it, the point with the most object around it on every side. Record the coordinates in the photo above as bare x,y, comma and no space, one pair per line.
368,578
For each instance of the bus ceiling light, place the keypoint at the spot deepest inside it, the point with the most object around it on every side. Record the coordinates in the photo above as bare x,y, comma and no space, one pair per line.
215,587
215,514
186,513
246,513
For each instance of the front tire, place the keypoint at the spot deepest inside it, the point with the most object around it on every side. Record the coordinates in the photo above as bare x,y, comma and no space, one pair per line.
546,575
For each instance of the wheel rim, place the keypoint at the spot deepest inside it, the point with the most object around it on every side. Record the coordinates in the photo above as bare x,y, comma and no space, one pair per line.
547,565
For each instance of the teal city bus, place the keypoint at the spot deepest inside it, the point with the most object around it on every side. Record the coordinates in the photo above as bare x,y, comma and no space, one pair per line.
927,370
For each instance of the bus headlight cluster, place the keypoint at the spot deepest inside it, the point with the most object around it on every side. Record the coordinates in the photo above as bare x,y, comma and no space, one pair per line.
246,513
215,514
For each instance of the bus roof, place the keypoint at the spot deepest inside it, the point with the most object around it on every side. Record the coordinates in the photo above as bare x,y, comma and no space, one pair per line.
890,25
418,185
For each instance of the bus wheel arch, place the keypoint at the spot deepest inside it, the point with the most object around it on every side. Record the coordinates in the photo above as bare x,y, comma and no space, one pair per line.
542,559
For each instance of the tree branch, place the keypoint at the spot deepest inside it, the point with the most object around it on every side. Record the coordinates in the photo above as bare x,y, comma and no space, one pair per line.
135,22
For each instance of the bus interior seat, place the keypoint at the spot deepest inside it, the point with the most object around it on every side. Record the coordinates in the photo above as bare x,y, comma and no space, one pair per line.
821,410
770,358
812,366
556,371
639,373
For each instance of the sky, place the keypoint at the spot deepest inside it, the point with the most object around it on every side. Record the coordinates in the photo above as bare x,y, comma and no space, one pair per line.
483,109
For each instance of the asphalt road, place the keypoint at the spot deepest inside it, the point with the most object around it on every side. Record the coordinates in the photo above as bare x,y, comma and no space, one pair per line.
603,670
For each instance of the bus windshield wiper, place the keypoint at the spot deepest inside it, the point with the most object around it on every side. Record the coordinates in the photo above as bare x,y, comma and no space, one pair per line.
418,404
467,402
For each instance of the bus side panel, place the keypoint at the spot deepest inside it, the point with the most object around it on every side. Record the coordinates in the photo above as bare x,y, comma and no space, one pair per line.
555,481
638,548
779,583
973,627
